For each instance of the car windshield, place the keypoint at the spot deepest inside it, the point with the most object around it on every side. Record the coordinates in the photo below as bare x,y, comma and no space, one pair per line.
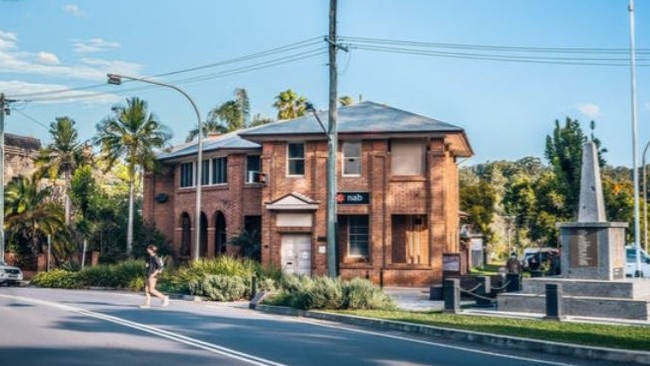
631,255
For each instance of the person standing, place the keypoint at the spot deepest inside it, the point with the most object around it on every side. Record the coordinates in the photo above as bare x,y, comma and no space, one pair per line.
154,267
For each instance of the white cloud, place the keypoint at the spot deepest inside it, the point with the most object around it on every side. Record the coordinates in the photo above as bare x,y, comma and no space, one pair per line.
590,110
16,87
94,45
48,58
74,10
14,60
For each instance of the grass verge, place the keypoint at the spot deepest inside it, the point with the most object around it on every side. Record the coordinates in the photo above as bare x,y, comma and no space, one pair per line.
610,336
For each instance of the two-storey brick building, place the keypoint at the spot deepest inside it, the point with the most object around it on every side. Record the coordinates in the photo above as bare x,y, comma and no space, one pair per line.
397,183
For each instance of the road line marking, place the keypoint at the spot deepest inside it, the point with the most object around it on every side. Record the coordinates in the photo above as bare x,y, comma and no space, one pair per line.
210,347
323,323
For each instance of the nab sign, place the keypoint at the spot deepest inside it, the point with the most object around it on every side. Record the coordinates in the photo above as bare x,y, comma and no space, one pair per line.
353,198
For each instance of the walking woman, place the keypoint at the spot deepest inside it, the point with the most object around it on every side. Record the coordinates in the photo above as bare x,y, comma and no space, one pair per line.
154,268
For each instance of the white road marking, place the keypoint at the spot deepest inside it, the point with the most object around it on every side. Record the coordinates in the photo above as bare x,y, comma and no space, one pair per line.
337,326
210,347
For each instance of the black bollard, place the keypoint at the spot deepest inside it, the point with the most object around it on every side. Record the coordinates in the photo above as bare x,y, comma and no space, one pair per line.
253,286
451,294
484,291
554,301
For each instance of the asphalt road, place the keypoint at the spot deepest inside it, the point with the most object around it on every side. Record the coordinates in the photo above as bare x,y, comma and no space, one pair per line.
63,327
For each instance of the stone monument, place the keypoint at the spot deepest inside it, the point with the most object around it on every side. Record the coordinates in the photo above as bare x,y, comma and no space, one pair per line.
592,281
592,248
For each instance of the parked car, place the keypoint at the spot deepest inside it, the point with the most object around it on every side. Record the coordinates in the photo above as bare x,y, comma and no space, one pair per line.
540,254
10,275
630,262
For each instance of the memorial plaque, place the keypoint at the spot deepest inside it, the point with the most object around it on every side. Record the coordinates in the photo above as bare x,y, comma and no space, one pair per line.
583,248
617,250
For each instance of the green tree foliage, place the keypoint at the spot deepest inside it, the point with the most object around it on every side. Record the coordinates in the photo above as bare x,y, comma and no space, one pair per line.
479,201
134,135
290,105
62,156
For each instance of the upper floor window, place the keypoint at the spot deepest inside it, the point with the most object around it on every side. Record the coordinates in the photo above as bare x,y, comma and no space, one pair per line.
253,167
187,175
352,158
408,157
220,170
205,172
296,159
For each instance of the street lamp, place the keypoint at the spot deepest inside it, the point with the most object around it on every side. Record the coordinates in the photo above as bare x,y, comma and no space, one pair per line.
645,197
116,79
332,138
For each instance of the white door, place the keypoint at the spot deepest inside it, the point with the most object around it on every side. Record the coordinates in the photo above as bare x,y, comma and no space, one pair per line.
296,254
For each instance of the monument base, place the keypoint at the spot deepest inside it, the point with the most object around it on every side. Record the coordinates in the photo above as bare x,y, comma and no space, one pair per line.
593,250
622,299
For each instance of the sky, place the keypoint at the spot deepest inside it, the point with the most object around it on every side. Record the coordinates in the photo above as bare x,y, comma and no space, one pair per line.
506,107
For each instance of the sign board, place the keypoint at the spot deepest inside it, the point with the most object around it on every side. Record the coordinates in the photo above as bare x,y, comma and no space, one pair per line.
353,198
451,262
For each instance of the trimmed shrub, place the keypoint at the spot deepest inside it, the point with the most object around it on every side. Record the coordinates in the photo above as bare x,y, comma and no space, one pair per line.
360,293
219,287
58,278
125,274
327,293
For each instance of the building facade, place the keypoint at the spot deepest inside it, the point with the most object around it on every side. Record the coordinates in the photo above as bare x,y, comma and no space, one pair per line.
397,194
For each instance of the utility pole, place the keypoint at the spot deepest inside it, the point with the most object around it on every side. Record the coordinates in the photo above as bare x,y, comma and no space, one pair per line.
332,269
3,107
635,152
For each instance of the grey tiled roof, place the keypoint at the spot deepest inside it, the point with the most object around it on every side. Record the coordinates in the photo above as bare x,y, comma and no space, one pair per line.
364,117
229,141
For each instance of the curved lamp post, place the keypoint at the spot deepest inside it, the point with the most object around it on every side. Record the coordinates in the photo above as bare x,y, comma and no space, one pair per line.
116,79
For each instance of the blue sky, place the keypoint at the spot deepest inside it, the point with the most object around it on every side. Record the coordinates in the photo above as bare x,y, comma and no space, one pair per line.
506,107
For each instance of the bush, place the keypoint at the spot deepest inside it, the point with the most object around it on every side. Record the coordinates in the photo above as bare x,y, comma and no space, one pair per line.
58,278
362,294
219,287
326,293
128,274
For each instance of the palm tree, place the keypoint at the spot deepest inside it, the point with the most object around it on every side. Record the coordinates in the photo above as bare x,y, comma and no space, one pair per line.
290,105
62,156
132,134
229,116
30,213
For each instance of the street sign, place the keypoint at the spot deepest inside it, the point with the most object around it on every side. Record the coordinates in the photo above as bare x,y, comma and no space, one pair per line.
353,198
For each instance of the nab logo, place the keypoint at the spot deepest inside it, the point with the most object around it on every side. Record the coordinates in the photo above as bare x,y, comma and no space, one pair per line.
353,198
340,198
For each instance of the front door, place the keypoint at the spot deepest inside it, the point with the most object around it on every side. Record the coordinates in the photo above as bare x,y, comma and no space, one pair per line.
296,254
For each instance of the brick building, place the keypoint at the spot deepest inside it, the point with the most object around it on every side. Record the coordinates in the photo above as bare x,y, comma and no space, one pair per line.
397,183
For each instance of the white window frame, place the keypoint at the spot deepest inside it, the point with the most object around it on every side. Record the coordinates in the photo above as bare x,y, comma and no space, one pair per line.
180,175
345,158
304,160
349,233
212,177
247,172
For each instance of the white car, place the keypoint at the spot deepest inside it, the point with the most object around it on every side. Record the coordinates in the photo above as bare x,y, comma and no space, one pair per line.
10,275
630,262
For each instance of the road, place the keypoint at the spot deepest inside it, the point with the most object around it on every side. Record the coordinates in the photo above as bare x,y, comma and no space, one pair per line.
70,327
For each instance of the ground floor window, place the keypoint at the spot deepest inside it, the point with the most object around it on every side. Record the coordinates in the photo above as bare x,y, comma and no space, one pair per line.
354,235
410,244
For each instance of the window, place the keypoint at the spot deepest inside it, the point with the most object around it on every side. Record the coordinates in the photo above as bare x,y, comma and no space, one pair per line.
352,158
253,165
205,173
358,236
296,159
187,175
407,157
220,170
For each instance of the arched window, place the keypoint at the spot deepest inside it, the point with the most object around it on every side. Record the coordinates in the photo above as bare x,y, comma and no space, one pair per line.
204,235
186,234
220,238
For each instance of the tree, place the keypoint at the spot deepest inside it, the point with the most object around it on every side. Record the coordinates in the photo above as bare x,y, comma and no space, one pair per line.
229,116
62,156
132,134
479,201
290,105
346,100
30,215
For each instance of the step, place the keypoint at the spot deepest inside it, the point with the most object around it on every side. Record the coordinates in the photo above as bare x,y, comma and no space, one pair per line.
597,307
634,289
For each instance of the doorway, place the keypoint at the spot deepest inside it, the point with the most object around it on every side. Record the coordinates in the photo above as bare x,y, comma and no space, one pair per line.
296,254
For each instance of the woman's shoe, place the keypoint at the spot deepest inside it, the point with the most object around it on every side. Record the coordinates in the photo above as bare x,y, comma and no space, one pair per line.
165,302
